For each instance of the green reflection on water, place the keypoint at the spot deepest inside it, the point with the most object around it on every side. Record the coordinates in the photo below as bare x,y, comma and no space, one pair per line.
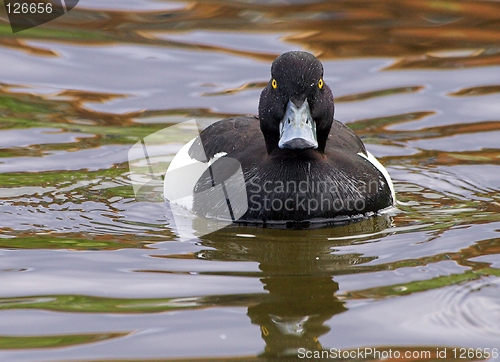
48,242
28,342
44,32
421,285
90,304
19,106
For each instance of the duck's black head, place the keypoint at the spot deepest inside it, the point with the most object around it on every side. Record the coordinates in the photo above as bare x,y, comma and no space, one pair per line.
296,107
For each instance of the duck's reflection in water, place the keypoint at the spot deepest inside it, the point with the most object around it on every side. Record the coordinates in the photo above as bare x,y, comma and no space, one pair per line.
297,269
294,314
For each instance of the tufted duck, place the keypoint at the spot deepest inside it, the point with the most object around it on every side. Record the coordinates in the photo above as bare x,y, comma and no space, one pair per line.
298,163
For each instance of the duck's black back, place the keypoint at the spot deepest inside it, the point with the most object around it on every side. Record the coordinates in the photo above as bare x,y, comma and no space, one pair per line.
293,185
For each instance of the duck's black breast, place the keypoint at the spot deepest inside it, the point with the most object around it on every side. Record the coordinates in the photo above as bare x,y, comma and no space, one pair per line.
291,185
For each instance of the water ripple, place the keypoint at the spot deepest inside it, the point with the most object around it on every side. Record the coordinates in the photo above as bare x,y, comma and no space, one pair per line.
472,307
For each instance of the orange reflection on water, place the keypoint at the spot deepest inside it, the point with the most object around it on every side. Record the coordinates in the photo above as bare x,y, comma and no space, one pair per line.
409,30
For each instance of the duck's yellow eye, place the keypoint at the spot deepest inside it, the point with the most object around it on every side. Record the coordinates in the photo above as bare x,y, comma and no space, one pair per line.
320,83
274,83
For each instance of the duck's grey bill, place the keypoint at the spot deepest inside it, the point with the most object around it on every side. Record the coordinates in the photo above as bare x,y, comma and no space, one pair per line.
297,128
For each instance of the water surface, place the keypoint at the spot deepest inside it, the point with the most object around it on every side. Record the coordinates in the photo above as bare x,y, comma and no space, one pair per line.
90,273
